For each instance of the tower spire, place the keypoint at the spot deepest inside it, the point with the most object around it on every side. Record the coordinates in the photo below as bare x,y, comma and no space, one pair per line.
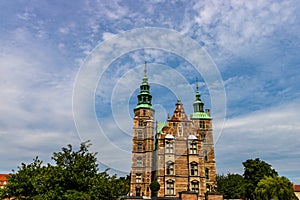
145,69
144,97
199,105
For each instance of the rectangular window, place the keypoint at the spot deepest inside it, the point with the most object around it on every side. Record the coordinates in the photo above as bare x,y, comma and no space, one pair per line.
138,178
170,168
169,147
170,188
195,186
140,135
140,147
180,131
206,173
193,148
139,162
205,155
202,124
140,123
204,138
194,169
138,192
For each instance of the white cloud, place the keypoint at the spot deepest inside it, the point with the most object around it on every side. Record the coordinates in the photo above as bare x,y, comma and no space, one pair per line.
36,115
271,134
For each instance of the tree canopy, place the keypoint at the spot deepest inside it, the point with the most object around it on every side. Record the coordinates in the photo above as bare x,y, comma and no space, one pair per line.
259,181
254,171
274,188
74,175
231,185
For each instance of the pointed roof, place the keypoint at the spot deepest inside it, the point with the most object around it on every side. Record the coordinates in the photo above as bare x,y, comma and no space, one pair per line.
144,97
199,106
179,114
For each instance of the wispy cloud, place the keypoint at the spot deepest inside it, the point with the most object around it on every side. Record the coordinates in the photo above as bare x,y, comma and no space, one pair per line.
255,45
271,134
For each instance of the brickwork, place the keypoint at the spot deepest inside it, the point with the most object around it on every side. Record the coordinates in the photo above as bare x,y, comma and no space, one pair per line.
181,158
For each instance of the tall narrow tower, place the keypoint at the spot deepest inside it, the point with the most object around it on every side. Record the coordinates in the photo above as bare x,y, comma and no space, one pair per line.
142,142
203,126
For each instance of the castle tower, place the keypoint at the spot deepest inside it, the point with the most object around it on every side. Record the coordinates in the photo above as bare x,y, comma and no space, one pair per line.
182,158
185,152
203,127
142,142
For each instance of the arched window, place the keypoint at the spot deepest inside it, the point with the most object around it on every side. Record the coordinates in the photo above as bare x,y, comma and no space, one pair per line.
170,168
170,187
194,169
139,162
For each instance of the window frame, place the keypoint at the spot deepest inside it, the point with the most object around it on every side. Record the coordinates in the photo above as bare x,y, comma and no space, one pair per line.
206,170
202,124
169,147
139,162
193,148
138,177
170,187
170,168
139,135
194,169
195,186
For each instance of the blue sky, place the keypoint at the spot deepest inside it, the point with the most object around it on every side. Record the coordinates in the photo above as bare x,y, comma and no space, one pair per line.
255,46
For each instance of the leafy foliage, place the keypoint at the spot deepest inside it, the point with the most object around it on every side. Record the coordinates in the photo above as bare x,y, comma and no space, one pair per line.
231,185
154,186
259,182
274,188
254,171
74,176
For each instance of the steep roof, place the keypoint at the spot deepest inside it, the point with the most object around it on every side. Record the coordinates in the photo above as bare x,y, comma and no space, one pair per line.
179,114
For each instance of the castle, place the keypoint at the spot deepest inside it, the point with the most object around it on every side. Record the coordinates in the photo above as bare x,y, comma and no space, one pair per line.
178,153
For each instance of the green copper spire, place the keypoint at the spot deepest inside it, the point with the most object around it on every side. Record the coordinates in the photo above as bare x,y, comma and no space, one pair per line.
198,106
144,97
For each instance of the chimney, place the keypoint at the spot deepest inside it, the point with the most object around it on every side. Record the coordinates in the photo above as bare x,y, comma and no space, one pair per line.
207,111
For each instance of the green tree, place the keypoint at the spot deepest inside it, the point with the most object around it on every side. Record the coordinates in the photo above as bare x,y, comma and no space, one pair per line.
154,186
73,176
21,183
254,171
274,188
231,185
